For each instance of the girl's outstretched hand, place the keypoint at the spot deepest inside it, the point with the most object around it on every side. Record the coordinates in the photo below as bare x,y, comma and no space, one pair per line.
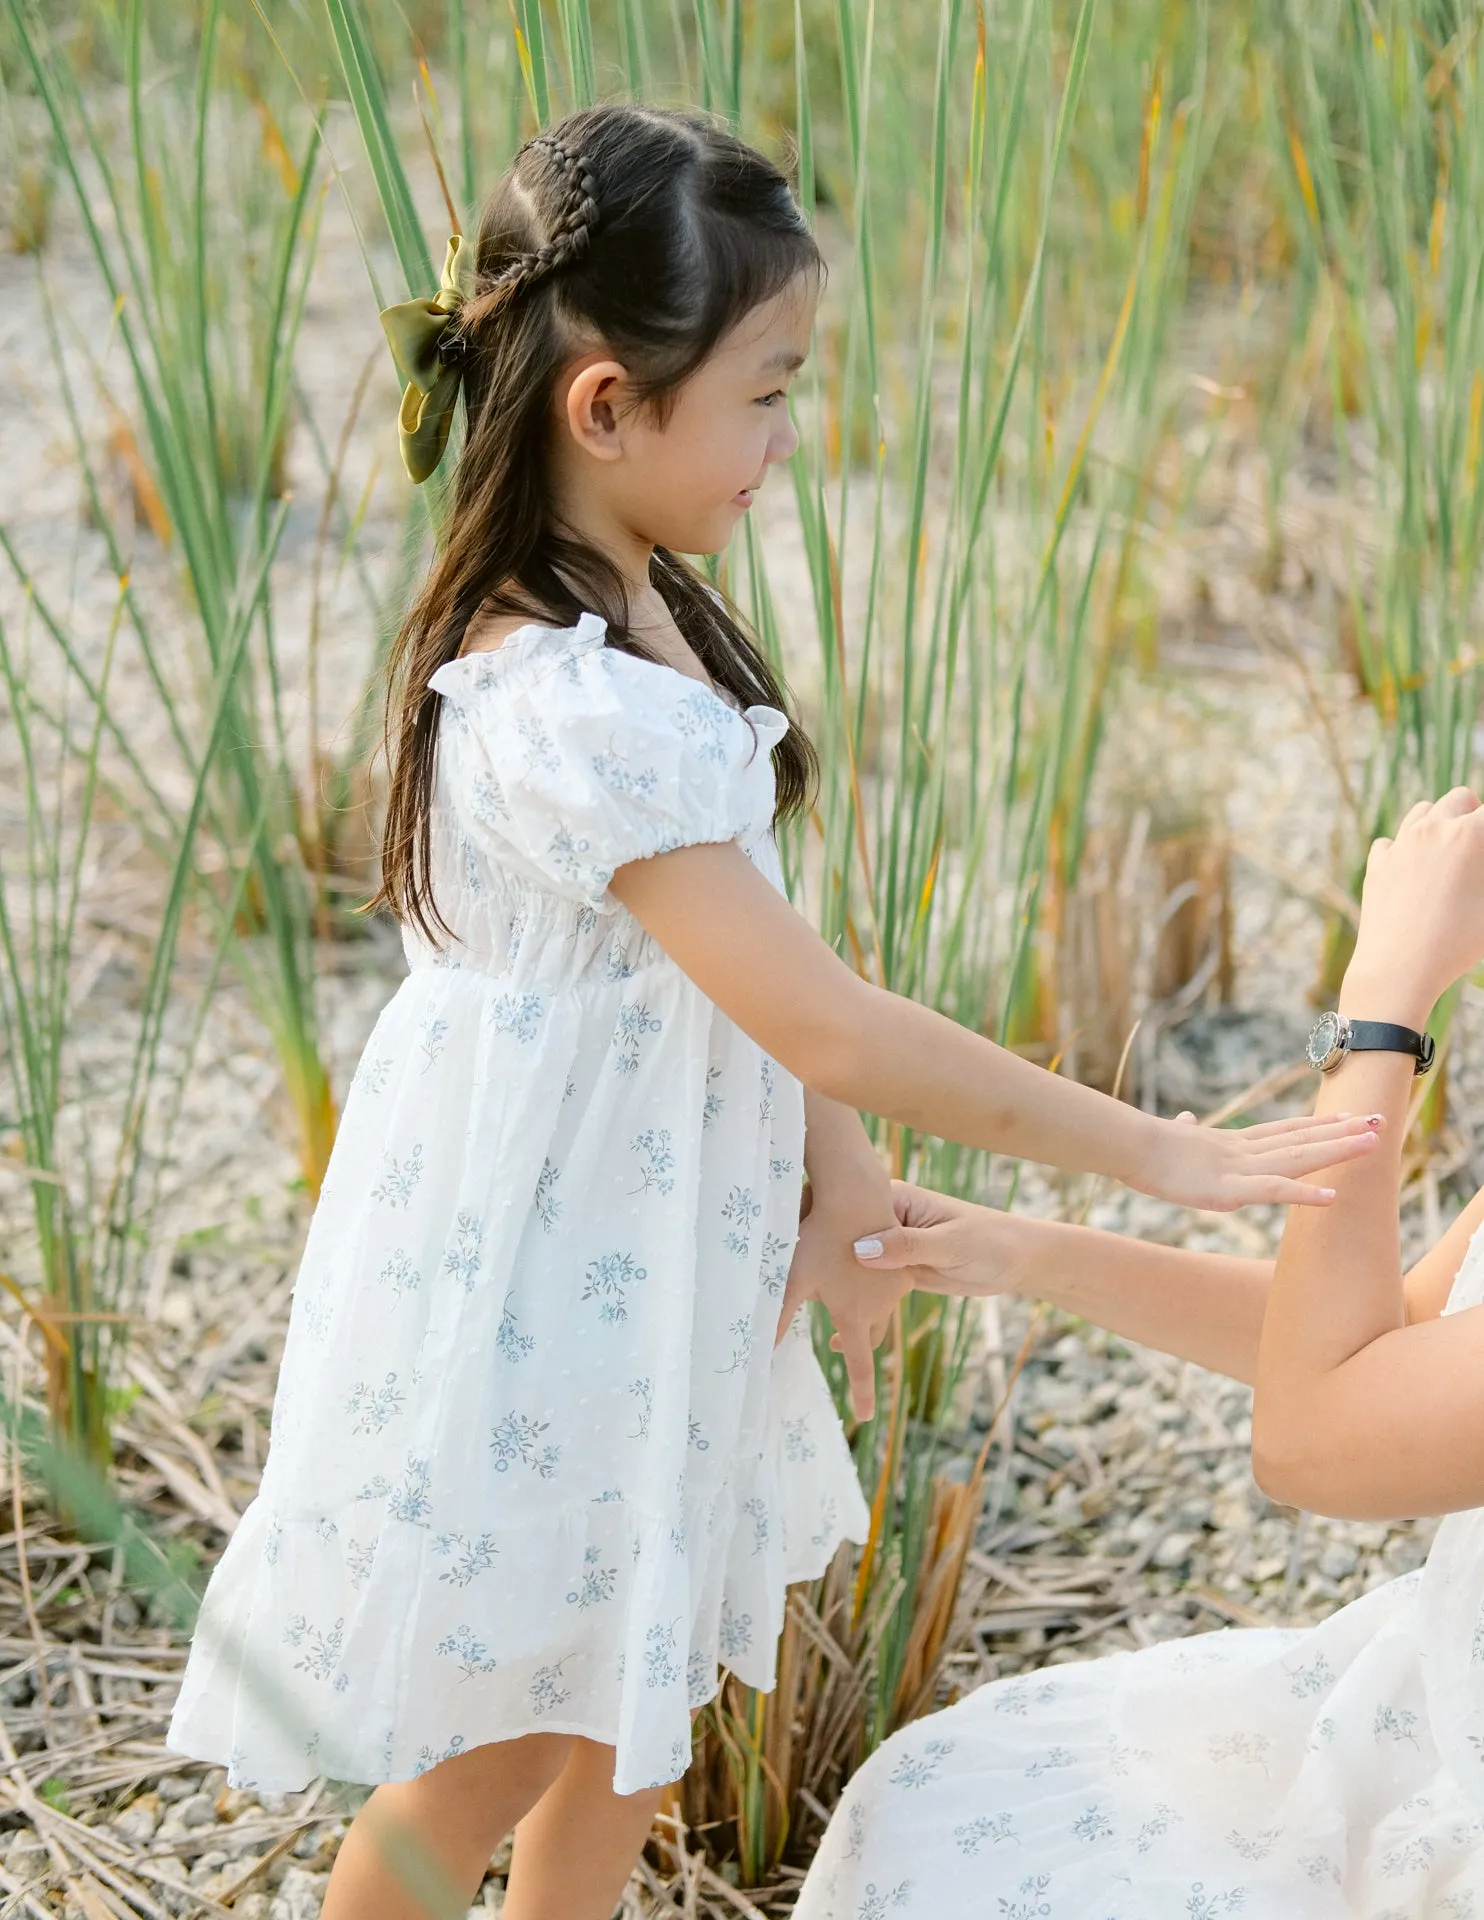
859,1303
1222,1168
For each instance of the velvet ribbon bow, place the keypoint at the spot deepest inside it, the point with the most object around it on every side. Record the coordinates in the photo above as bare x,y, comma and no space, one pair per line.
431,360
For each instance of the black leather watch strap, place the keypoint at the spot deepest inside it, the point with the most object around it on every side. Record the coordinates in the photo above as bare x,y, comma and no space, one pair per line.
1381,1036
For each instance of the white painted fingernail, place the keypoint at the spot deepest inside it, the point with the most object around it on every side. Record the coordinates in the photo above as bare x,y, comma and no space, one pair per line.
868,1249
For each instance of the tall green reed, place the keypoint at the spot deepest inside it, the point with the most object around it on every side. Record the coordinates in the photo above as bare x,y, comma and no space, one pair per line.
1381,119
92,1145
204,241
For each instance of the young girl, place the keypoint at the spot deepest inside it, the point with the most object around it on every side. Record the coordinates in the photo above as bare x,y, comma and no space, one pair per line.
1335,1773
536,1470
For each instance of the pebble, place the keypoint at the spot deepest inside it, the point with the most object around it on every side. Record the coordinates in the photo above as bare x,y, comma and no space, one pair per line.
176,1786
26,1856
299,1895
138,1822
198,1810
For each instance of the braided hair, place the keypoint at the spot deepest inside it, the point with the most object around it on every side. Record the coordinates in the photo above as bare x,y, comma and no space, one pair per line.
656,233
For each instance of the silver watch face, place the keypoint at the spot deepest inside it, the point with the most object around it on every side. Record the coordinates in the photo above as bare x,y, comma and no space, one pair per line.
1324,1040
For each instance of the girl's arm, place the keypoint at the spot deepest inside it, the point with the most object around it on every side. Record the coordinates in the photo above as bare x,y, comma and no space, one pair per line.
758,960
1362,1411
1205,1307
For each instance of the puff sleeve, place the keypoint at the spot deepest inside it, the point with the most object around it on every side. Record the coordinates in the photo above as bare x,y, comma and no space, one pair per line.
571,759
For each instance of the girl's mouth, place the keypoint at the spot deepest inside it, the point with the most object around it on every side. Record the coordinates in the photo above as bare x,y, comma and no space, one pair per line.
743,499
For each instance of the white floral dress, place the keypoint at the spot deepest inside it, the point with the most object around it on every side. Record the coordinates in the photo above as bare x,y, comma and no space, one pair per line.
1332,1773
535,1465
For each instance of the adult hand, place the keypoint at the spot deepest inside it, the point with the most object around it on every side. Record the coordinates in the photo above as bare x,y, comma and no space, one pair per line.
1422,911
942,1245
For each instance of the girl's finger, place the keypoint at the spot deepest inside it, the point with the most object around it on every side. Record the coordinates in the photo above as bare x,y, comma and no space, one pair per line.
794,1296
1308,1126
860,1369
1459,800
1272,1190
1299,1160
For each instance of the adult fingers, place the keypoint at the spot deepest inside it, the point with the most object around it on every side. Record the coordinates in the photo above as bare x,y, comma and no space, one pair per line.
892,1247
1418,811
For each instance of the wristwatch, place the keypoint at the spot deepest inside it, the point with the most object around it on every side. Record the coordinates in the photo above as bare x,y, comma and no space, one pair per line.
1333,1036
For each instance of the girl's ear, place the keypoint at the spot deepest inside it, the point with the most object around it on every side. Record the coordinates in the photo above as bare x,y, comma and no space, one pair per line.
593,405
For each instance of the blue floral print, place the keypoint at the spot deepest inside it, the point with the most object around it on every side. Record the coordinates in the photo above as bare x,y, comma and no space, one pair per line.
469,1557
519,1014
512,1343
741,1336
736,1633
373,1407
701,717
399,1178
516,1441
461,1257
467,1650
548,1206
432,1041
399,1273
410,1500
741,1209
609,1279
660,1668
984,1831
618,775
635,1021
598,1583
919,1770
539,750
546,1692
319,1647
657,1154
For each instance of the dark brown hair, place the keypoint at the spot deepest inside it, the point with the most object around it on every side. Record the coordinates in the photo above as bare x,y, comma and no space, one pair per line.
658,232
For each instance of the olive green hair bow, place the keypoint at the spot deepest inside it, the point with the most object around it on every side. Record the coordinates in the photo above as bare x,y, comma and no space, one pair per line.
431,360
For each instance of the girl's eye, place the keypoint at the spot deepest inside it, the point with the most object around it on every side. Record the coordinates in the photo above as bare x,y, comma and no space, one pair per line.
768,398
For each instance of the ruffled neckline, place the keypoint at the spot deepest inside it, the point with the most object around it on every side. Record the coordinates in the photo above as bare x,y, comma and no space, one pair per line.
590,631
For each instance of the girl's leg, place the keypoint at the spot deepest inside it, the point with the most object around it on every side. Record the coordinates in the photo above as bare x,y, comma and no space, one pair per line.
576,1848
457,1813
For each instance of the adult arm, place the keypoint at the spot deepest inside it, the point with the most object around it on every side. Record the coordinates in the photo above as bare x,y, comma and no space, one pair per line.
1360,1410
1198,1306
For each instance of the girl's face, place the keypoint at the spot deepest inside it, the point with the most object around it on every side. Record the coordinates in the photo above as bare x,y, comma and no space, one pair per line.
685,482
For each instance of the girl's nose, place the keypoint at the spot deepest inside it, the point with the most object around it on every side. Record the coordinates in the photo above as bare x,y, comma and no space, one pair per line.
783,442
